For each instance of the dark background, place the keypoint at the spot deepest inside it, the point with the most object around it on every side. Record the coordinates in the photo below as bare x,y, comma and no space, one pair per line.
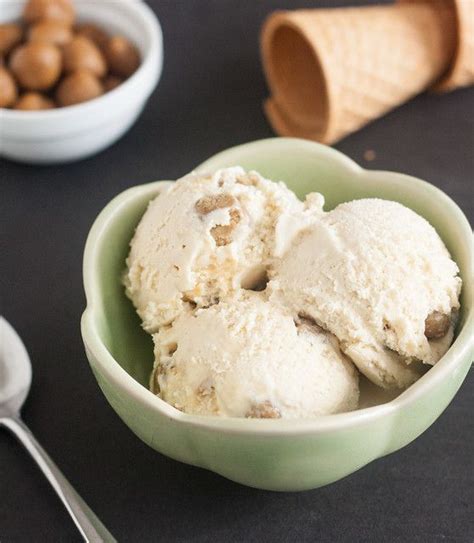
209,98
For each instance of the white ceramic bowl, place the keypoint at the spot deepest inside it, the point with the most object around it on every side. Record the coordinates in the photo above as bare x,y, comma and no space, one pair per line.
74,132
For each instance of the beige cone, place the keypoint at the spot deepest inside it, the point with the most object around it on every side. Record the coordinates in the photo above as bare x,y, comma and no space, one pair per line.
331,71
461,70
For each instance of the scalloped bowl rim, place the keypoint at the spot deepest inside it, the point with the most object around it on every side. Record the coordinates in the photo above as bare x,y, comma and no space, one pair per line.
462,346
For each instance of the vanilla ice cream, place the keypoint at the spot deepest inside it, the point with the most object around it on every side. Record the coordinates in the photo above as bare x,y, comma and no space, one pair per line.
206,236
369,283
377,276
248,357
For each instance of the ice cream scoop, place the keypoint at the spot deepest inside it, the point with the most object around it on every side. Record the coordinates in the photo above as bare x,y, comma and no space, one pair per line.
377,276
248,357
205,237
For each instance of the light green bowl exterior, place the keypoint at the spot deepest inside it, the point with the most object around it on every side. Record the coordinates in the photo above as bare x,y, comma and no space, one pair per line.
269,454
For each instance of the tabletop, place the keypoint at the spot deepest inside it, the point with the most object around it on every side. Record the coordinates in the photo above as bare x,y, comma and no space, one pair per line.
209,98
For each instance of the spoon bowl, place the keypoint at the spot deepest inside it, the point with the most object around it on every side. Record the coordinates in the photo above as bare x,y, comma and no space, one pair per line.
15,370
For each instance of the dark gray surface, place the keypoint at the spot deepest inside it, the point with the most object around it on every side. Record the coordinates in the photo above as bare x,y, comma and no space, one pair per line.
209,99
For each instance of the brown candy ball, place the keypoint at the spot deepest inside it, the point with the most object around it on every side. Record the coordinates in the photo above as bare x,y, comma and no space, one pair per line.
8,90
57,10
81,62
54,32
93,33
10,35
36,65
111,82
437,325
78,87
33,101
82,54
122,56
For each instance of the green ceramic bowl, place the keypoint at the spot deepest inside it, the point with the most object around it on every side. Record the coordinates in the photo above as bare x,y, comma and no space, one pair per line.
269,454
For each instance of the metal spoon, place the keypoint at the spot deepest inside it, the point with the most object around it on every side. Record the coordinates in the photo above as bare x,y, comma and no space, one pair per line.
15,381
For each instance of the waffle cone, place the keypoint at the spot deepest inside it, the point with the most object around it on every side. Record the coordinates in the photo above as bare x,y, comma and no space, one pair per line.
285,126
461,69
331,71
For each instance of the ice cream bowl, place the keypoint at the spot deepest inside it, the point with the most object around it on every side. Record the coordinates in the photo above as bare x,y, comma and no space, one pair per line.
269,454
75,132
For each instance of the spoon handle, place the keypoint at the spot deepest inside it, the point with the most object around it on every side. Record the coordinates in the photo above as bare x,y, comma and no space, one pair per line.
90,527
